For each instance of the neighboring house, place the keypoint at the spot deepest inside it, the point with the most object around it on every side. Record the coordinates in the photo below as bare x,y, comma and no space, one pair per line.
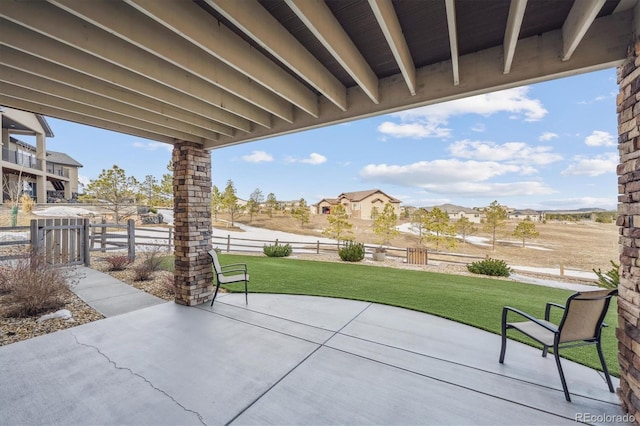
533,215
360,204
47,176
458,212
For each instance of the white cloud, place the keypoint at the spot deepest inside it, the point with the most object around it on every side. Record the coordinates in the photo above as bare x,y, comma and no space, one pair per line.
582,202
84,180
454,177
414,130
594,166
258,157
600,138
152,146
479,127
423,173
599,98
431,120
314,159
511,152
547,136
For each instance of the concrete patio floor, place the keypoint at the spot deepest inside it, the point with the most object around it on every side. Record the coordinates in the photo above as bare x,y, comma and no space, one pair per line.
288,360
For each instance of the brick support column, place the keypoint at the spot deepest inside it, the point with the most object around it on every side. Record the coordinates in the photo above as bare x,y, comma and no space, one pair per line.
628,331
192,220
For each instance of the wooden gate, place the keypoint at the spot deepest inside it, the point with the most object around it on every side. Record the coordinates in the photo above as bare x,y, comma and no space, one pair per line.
416,255
63,241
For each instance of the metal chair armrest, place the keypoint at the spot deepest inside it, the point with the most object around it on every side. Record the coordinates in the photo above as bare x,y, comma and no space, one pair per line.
244,271
506,309
547,311
225,267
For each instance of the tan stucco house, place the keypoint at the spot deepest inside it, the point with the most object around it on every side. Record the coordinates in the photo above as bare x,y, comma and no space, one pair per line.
48,176
359,204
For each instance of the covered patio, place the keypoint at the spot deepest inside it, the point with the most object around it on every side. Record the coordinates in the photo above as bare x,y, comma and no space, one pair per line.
289,360
206,74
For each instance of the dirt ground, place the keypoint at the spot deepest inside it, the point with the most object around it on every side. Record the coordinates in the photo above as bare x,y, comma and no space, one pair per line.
583,245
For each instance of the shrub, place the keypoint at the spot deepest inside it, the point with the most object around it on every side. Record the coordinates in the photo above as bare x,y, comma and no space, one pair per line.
27,203
611,278
152,263
491,267
117,263
277,250
33,286
352,252
169,284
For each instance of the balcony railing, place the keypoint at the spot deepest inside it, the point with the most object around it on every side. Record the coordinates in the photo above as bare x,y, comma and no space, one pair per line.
55,169
21,159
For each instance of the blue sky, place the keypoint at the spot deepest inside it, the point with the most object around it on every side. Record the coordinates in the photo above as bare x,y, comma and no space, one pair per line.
551,145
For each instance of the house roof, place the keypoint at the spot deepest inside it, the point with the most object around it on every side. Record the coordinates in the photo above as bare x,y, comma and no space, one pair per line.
53,156
452,208
361,195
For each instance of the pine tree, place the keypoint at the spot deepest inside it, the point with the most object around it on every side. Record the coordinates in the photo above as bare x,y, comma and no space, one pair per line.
255,200
526,229
271,204
495,219
441,230
339,227
216,202
114,188
165,192
301,212
230,202
465,227
384,225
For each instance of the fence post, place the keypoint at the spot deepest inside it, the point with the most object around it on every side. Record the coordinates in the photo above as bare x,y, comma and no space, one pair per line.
318,247
103,236
34,234
228,243
170,232
131,239
86,250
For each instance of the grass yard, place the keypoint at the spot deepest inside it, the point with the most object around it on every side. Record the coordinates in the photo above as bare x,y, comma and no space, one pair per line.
475,301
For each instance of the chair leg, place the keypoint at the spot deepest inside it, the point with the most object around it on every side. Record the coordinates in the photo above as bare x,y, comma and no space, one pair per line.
604,367
564,382
215,293
545,351
504,340
246,297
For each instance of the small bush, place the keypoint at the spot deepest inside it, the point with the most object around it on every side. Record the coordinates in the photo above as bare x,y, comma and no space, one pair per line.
169,284
277,250
33,286
27,203
491,267
352,252
117,263
151,263
609,279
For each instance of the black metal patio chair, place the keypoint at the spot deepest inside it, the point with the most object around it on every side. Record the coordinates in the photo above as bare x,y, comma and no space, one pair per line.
581,324
227,274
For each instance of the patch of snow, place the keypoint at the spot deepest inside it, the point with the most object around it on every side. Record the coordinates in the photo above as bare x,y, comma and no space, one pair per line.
65,314
556,271
63,211
14,236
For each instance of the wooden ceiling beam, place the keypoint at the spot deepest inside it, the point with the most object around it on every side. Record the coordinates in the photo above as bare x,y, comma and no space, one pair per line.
390,26
325,27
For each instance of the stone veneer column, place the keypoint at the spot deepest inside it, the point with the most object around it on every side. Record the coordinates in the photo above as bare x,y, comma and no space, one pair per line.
192,220
628,331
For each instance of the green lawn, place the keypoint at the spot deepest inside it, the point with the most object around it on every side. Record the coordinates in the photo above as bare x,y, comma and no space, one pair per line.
476,301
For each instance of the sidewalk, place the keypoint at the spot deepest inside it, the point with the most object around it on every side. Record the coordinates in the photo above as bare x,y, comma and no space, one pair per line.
110,296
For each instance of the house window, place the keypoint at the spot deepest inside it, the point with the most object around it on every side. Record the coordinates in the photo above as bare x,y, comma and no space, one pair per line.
355,206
